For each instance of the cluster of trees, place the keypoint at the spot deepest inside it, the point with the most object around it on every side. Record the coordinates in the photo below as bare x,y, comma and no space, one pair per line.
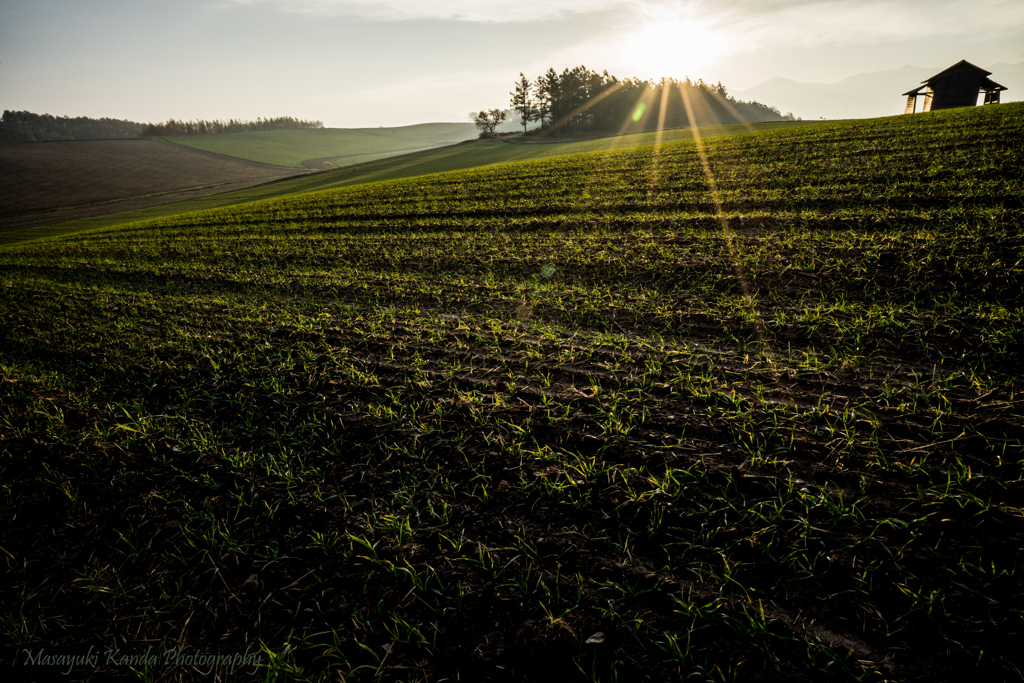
23,126
172,127
579,100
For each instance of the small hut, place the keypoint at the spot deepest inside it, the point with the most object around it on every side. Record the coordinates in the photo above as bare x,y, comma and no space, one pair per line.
957,86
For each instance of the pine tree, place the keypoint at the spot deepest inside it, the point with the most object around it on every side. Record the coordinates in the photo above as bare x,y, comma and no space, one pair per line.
546,90
521,101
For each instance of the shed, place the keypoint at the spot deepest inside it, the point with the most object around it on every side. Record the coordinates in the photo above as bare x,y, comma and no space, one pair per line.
957,86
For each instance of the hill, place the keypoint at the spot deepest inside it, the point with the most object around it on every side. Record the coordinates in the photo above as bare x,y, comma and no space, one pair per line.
340,146
398,165
865,95
53,182
744,409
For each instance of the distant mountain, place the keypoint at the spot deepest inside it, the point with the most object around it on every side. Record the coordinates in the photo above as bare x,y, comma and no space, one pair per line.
865,95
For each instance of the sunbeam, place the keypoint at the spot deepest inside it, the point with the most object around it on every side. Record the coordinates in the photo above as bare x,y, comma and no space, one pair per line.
727,231
659,135
555,125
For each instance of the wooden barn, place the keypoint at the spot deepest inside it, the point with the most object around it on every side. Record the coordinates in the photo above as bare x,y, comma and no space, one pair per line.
957,86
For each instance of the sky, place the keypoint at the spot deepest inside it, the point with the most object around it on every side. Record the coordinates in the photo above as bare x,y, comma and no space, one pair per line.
352,63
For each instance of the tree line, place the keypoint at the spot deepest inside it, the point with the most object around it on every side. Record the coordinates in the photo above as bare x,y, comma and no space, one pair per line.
23,126
172,127
579,100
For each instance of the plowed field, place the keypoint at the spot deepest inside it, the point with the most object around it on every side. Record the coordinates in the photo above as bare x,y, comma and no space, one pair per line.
743,411
297,147
51,182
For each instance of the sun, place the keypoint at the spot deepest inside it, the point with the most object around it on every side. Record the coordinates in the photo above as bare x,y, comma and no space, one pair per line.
673,48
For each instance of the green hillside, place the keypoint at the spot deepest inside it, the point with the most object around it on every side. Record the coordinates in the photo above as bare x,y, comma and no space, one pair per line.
349,145
470,155
743,411
497,152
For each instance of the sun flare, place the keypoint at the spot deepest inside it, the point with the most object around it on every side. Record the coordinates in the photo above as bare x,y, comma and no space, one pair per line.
673,48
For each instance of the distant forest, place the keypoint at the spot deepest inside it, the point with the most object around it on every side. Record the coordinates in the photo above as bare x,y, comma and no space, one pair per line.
23,126
579,100
172,127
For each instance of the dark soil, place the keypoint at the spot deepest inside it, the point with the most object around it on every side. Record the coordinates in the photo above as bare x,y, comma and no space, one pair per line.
52,182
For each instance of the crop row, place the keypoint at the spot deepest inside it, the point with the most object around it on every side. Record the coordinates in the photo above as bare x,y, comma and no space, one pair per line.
461,425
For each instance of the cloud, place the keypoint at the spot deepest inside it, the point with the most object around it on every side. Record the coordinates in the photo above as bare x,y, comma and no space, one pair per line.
451,10
761,23
852,22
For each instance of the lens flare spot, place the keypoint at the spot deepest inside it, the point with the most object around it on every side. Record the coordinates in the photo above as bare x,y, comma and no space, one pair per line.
639,111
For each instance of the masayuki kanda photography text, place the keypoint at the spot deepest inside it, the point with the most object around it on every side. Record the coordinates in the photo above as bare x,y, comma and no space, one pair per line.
70,662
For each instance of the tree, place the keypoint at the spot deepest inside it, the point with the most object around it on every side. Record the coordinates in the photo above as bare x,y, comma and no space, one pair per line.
487,121
521,101
547,91
579,100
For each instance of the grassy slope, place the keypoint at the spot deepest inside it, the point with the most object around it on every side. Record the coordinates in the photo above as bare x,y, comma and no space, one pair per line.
479,417
292,147
489,153
437,161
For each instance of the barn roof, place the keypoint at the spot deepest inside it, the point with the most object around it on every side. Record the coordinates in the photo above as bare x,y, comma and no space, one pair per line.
989,84
963,63
986,83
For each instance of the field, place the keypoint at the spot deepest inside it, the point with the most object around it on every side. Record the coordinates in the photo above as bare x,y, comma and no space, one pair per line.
341,146
396,166
746,410
53,182
487,153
